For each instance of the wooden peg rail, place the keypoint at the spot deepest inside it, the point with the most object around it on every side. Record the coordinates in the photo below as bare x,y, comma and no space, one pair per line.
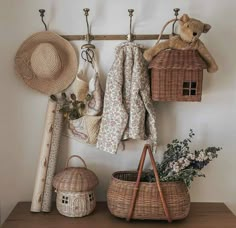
130,37
115,37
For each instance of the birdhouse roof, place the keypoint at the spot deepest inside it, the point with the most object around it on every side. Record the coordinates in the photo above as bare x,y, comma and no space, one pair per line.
178,59
75,179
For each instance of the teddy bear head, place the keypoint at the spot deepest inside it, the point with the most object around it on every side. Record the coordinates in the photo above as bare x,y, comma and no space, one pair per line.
191,29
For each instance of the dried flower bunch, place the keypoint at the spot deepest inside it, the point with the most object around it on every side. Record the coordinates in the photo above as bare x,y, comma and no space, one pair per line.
181,164
72,108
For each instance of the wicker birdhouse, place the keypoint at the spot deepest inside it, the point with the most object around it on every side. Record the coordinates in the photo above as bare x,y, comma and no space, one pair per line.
75,190
177,75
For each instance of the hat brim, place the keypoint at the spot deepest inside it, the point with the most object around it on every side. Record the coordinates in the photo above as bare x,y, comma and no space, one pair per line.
68,59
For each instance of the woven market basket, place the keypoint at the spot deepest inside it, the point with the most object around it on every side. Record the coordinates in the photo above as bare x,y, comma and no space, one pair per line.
128,198
75,190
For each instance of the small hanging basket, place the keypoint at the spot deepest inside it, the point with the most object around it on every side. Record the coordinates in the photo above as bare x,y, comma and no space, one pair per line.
130,199
177,75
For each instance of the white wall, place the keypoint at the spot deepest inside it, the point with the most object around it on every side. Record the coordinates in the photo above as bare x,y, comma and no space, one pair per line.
23,110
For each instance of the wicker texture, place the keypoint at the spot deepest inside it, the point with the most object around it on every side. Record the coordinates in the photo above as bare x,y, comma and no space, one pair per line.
75,204
75,179
150,201
148,204
178,59
171,69
45,61
50,70
74,187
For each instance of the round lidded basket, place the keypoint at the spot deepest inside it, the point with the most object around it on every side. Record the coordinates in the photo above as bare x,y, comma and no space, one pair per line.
75,190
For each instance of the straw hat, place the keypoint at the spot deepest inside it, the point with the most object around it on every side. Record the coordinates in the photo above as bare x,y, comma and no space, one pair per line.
46,62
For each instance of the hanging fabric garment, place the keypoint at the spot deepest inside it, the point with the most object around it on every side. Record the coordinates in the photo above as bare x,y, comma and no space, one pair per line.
128,110
85,129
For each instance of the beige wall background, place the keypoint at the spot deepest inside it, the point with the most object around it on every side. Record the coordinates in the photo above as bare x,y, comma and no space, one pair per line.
22,110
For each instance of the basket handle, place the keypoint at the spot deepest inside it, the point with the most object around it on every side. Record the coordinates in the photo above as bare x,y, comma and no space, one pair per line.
75,156
136,188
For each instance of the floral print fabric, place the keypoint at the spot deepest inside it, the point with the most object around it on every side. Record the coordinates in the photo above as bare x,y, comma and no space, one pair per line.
128,110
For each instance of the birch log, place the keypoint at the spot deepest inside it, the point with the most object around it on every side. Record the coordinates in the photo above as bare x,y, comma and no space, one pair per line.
43,158
56,136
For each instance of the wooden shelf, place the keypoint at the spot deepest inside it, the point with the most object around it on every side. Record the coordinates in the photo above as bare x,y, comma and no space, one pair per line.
202,215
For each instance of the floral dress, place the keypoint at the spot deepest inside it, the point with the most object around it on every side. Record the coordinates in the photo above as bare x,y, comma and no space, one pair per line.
128,111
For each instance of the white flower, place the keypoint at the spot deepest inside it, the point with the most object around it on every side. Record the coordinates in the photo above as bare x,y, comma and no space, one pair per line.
186,162
171,164
202,154
176,168
199,158
191,156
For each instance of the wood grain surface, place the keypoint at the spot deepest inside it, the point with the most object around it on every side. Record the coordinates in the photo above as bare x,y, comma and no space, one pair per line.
202,215
116,37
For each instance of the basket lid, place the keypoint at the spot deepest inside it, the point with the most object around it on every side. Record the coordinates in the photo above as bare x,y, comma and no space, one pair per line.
178,59
75,179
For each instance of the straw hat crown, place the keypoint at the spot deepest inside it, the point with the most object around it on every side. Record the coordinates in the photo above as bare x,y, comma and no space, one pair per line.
45,61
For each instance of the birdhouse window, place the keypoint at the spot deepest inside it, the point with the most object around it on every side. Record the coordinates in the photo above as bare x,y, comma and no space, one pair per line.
189,88
91,197
65,199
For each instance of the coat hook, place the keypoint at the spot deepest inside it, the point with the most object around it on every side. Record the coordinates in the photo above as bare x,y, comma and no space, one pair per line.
130,36
42,11
176,10
88,37
86,13
87,54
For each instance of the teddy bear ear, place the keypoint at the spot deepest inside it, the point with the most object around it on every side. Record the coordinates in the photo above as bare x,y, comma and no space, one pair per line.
206,28
185,18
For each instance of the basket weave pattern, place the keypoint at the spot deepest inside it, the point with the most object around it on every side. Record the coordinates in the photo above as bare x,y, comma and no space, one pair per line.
170,69
148,204
75,190
75,179
128,197
168,85
79,203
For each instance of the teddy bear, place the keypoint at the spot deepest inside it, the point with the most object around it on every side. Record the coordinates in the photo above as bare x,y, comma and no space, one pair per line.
188,38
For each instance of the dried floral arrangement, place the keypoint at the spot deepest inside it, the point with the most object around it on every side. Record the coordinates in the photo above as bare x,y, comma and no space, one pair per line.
181,164
72,108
